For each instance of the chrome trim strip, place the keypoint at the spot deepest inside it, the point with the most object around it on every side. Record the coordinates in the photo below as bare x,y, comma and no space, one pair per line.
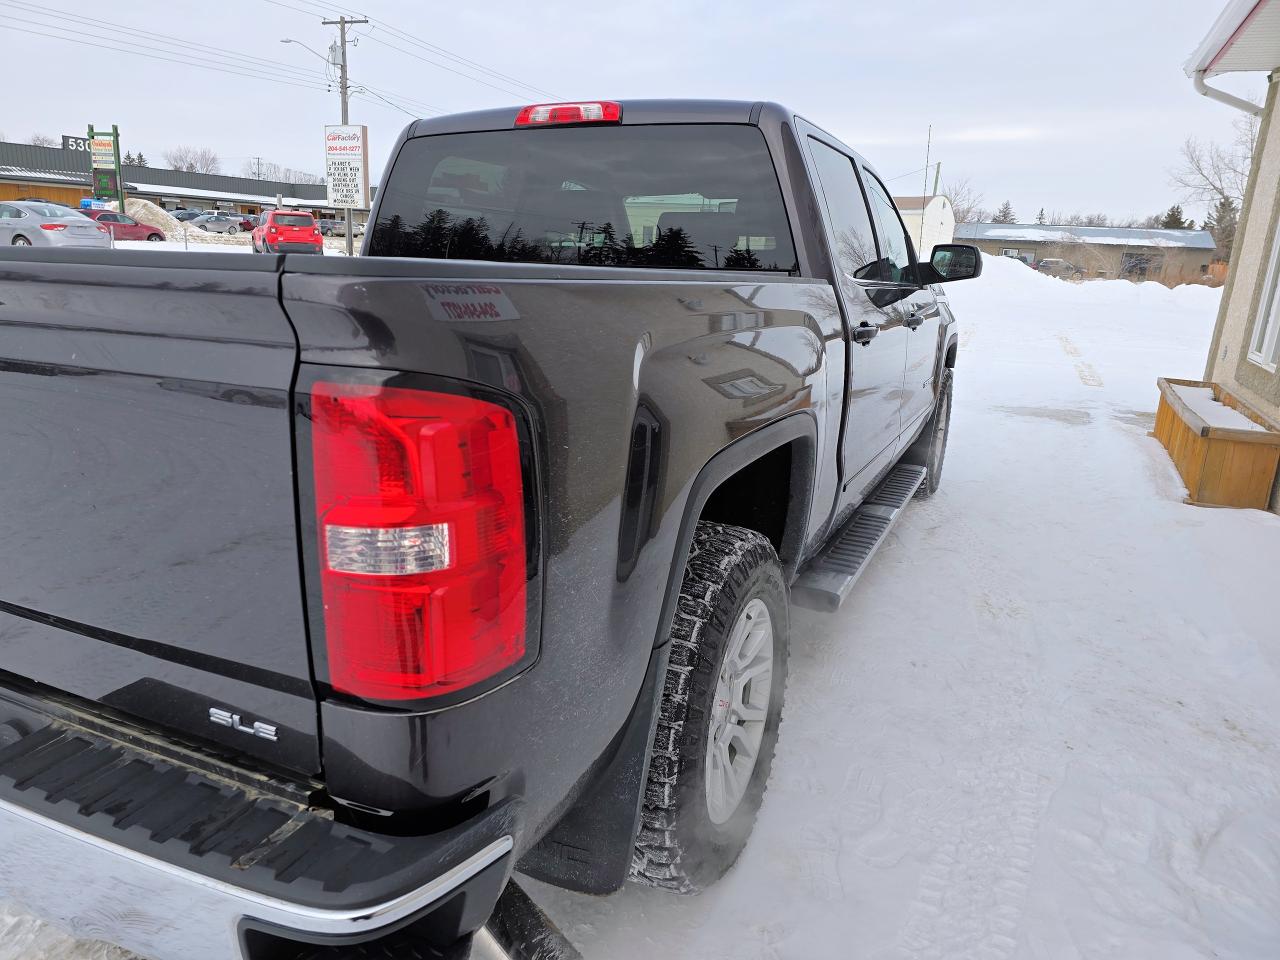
282,912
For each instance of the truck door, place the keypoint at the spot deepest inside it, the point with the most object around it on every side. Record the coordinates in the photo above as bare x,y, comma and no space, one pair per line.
874,331
916,308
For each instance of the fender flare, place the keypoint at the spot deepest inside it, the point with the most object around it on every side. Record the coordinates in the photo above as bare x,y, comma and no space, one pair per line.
739,454
589,848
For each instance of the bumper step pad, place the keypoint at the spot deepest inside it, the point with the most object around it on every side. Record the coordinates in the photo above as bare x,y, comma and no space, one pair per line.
828,580
76,799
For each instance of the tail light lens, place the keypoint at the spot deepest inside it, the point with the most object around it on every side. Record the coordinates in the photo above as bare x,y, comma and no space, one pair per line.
420,516
545,114
272,229
53,226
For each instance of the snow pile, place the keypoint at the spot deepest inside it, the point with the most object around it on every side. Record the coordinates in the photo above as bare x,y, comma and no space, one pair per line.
144,211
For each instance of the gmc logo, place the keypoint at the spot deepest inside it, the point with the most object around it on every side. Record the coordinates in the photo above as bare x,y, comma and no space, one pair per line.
225,718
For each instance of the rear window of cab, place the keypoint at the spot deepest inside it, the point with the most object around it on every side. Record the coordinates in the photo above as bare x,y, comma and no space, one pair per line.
669,196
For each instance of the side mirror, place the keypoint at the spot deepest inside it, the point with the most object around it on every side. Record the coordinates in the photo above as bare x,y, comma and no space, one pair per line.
954,261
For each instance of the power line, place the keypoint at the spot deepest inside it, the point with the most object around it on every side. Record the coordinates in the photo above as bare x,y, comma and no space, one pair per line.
434,63
156,56
434,48
255,63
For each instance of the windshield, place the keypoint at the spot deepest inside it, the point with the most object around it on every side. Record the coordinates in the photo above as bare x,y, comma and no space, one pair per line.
665,196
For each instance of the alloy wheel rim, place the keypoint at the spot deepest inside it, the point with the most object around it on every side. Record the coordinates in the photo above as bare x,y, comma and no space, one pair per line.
739,711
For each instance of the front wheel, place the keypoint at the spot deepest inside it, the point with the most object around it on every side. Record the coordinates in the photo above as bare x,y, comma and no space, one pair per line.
154,238
718,720
934,439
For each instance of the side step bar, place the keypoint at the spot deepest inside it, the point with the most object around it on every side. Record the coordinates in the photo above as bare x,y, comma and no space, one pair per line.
828,580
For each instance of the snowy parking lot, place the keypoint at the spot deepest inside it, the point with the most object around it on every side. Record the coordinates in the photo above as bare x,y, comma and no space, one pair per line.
1044,726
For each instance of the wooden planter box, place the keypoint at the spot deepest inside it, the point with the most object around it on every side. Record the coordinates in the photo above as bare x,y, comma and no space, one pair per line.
1226,452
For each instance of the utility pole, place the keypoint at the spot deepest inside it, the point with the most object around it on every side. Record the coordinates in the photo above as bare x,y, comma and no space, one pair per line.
343,91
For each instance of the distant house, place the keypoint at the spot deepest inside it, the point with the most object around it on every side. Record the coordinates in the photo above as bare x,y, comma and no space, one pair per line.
1244,355
929,221
1168,256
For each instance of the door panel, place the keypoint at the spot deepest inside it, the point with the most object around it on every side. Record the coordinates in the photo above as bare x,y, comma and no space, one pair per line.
874,378
915,307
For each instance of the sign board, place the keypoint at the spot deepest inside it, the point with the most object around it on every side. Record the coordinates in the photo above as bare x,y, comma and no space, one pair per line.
346,166
88,204
103,151
106,185
78,144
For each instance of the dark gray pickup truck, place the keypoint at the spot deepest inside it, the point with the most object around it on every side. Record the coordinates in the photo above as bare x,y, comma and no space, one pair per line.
333,591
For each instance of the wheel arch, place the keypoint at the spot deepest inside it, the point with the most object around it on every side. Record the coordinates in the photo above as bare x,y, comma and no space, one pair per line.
589,848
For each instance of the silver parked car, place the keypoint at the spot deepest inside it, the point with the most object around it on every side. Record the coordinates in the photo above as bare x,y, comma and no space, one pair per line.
32,224
218,223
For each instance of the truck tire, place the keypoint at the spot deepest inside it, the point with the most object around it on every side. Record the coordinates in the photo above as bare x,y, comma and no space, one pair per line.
934,439
718,720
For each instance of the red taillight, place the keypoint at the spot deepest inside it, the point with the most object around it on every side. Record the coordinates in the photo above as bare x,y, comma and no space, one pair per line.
272,229
102,229
53,226
420,515
316,231
596,111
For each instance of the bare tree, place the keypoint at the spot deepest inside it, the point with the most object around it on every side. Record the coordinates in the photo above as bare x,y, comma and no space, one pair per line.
966,202
193,159
43,140
270,170
1211,172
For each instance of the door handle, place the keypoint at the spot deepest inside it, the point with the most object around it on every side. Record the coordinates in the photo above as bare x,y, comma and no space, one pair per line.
865,333
913,320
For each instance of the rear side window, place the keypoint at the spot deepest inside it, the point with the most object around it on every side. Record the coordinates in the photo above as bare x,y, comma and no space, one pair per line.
687,196
293,219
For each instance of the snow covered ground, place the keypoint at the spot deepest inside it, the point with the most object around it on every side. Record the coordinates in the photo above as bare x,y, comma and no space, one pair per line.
1045,726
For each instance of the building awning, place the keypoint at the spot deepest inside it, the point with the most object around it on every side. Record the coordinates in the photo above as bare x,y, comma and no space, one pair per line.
195,193
53,177
1244,39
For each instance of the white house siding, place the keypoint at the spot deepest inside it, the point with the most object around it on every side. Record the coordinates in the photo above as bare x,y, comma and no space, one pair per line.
1228,363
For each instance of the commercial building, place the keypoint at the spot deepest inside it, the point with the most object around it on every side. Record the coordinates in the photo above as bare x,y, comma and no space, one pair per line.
1170,257
62,176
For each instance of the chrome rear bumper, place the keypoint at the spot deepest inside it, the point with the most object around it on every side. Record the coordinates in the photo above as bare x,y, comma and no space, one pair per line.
98,890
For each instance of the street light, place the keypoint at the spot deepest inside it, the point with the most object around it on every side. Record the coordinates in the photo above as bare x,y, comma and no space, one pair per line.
308,49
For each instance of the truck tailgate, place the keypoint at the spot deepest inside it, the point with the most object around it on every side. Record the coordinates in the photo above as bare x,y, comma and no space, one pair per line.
147,523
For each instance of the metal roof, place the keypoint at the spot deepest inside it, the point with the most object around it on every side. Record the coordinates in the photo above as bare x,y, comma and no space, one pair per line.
28,163
1106,236
1244,38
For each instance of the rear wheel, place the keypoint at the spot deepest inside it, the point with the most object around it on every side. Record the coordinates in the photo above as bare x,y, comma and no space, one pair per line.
721,704
233,229
21,241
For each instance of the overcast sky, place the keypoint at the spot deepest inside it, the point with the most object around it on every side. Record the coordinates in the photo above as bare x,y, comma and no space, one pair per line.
1077,106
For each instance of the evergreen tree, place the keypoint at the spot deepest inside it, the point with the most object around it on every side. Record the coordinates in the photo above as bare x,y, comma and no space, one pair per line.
1040,217
139,160
1223,219
1005,214
1173,219
128,160
673,248
742,260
